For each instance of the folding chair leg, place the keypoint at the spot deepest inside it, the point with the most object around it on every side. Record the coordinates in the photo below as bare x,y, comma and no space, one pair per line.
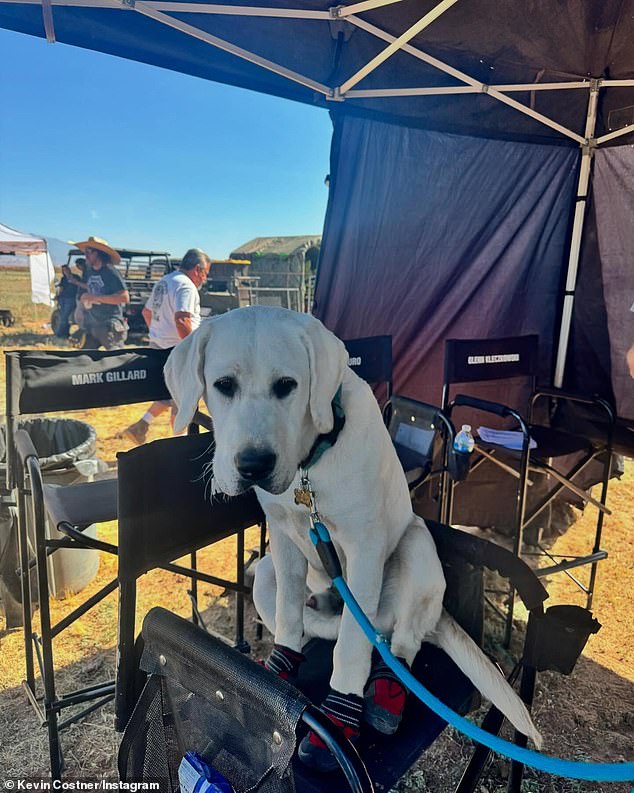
520,522
25,584
527,691
607,470
194,590
259,630
124,697
241,644
48,672
492,723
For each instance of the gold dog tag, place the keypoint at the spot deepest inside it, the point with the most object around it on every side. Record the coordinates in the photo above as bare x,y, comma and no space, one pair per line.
302,497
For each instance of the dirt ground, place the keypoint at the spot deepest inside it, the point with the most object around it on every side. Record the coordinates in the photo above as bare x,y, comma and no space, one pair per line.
587,716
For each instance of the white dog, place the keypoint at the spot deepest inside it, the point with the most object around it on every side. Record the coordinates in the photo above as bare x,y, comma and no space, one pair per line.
269,377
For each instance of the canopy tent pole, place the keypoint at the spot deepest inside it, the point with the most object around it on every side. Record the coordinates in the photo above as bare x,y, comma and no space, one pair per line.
397,43
47,16
616,134
214,41
577,232
447,69
365,5
440,90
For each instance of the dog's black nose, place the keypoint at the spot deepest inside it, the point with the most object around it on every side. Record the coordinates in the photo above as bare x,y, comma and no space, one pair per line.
255,464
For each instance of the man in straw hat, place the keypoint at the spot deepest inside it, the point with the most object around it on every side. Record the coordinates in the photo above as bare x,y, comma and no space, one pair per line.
105,296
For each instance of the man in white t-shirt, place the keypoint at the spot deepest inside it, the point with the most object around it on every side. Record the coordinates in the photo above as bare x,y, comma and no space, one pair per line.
172,312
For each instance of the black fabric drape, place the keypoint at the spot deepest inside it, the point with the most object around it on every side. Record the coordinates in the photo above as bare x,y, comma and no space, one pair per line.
614,205
431,236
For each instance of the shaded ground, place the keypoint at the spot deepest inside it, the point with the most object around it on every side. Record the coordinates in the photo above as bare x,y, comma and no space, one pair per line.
585,716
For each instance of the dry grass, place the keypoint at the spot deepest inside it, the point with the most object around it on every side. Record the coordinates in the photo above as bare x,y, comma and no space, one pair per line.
588,715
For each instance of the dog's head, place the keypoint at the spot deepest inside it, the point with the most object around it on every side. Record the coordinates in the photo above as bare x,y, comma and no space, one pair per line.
268,377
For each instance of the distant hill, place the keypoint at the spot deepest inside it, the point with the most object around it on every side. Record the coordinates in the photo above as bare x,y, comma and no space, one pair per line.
57,248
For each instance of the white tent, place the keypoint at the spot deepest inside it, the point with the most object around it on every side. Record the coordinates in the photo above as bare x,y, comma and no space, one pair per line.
40,264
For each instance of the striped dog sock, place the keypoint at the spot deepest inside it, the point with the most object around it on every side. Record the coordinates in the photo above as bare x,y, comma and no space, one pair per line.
345,710
284,661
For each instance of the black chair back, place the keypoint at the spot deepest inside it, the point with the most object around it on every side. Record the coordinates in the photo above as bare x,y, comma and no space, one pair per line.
413,426
478,360
47,381
165,512
165,506
371,359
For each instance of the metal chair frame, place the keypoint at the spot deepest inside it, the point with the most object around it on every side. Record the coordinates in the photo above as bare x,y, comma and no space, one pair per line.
526,367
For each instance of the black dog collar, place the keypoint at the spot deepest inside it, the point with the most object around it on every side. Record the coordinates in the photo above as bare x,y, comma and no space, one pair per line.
327,441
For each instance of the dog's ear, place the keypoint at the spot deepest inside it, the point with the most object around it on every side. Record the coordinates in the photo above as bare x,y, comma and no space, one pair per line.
328,359
184,374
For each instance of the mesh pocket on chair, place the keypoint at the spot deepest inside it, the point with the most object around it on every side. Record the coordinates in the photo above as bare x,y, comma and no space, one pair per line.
170,720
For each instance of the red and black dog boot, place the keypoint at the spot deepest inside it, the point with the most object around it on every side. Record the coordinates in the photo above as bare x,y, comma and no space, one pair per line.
344,711
385,697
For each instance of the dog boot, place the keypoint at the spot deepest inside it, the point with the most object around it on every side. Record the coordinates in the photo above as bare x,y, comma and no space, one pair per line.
385,697
283,661
344,710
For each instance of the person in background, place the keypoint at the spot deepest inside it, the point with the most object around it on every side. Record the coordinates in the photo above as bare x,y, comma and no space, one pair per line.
79,280
66,298
171,313
104,298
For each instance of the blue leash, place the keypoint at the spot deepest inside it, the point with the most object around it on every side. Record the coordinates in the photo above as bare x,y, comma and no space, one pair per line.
595,772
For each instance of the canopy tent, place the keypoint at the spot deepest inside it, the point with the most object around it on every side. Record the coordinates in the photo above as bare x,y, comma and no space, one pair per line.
546,83
18,243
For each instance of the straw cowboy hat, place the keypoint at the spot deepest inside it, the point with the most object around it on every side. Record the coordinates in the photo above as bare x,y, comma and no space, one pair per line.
100,245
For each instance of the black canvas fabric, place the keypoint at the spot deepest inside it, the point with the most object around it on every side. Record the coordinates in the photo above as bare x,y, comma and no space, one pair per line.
207,697
539,43
45,382
165,505
431,236
472,360
371,358
614,206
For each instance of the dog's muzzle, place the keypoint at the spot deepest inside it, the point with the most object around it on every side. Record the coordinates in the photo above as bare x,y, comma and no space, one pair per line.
255,465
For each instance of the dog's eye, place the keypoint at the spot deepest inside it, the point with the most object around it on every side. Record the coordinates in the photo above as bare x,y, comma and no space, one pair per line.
227,386
283,387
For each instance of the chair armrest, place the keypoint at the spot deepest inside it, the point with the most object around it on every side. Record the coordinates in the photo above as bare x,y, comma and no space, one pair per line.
203,421
569,396
489,407
482,553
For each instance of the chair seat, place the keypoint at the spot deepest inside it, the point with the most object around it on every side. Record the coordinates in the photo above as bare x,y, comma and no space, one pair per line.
555,443
414,466
550,443
386,757
82,504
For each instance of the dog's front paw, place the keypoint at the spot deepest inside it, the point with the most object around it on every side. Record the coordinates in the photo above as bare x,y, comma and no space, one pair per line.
385,698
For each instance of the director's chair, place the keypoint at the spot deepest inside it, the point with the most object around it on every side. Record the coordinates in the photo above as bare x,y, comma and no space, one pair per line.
470,361
201,695
39,382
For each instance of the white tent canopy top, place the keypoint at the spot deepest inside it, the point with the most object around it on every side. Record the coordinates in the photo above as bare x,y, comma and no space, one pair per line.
13,241
40,264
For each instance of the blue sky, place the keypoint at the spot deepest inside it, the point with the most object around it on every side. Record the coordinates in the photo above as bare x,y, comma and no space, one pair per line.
92,144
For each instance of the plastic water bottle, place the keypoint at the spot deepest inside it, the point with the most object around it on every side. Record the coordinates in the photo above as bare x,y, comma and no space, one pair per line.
464,442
